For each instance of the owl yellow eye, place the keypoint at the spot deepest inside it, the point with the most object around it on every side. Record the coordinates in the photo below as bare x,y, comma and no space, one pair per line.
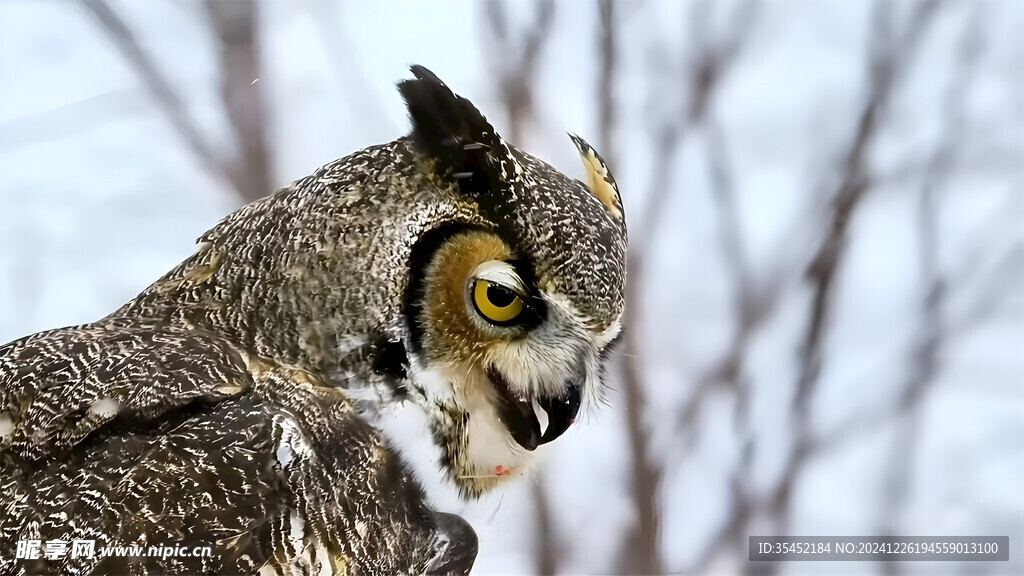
496,303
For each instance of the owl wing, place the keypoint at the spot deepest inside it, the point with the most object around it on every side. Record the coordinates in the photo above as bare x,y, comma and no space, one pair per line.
165,439
58,387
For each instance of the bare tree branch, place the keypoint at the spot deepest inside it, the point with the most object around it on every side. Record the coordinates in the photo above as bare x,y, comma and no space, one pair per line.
165,96
705,73
932,336
545,537
890,55
235,24
147,69
754,299
888,59
515,60
641,552
607,118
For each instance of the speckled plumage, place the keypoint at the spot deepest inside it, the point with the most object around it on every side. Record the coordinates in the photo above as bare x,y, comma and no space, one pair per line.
219,407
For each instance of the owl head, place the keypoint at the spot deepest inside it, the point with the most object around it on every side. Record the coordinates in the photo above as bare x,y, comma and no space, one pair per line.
446,267
515,299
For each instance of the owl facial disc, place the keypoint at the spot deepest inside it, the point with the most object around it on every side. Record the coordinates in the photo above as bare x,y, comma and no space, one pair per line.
516,291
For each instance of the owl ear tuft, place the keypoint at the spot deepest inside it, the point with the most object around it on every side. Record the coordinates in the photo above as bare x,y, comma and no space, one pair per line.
449,129
599,179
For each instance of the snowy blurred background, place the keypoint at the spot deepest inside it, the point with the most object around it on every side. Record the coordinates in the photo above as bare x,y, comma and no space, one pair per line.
824,200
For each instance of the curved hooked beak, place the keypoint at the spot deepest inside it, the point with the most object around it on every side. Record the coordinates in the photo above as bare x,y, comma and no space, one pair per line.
518,415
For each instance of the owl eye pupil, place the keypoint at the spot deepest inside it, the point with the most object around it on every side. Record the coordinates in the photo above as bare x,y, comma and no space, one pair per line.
496,303
500,296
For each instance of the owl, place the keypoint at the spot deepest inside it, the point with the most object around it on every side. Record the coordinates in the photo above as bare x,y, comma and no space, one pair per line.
230,412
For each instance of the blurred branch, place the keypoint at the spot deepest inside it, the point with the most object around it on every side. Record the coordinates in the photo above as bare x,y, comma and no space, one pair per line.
889,57
933,328
713,59
705,72
153,79
607,119
515,60
166,99
547,548
887,60
641,553
235,24
932,335
998,283
754,299
349,69
938,328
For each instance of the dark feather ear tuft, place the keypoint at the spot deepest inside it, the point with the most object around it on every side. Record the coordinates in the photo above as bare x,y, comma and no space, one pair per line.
451,130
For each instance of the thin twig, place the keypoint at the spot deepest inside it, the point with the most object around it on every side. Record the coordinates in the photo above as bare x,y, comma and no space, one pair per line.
166,98
641,553
890,55
932,337
607,119
705,73
515,60
236,27
545,535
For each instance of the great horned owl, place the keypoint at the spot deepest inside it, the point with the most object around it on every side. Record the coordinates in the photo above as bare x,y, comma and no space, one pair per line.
231,404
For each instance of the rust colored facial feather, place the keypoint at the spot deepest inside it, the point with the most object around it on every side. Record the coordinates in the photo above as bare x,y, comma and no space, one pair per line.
454,336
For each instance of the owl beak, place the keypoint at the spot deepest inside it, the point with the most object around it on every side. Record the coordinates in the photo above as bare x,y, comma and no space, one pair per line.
561,412
516,413
519,416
